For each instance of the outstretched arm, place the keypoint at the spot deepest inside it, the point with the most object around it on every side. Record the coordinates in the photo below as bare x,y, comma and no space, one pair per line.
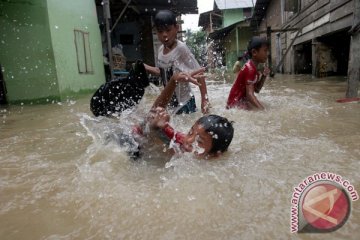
166,94
153,70
205,104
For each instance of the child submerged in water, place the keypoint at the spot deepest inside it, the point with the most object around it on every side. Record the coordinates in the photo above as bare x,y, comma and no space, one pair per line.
210,135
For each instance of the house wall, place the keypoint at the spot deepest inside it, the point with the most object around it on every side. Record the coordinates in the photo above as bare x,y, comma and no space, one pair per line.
231,16
273,19
64,17
26,51
131,51
316,20
38,52
321,17
146,46
234,50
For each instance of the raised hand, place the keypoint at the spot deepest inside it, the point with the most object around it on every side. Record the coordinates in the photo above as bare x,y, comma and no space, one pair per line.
192,77
159,117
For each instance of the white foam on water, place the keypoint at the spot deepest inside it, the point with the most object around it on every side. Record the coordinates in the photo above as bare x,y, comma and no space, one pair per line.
60,170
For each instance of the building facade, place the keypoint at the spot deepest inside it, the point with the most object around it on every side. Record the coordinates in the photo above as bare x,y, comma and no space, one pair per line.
228,28
50,50
307,36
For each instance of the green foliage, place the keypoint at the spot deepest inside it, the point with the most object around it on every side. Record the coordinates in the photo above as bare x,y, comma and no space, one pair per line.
196,41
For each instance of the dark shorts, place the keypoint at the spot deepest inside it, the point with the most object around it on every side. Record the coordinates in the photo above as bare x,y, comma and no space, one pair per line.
189,107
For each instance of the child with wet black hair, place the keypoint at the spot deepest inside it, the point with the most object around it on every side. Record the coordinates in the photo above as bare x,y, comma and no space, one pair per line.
209,137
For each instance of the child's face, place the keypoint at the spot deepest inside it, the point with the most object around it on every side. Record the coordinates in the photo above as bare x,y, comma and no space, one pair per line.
198,140
167,34
261,54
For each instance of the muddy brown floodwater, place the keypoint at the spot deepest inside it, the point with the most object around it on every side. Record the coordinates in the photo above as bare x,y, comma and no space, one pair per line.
59,180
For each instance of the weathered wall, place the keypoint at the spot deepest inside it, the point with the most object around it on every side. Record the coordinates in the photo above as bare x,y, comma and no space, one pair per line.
273,20
233,49
232,16
131,51
321,17
146,45
26,52
315,18
38,50
64,17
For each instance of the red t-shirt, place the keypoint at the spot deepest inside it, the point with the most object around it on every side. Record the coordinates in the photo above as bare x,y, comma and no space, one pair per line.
247,75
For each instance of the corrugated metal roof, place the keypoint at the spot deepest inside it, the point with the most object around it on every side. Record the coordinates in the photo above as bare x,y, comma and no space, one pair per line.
232,4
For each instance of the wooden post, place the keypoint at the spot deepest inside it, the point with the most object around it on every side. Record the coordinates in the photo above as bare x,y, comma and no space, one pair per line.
268,35
237,43
286,52
354,59
314,58
107,17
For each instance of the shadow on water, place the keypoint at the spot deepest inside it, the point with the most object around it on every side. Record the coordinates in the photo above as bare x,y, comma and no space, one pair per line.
61,179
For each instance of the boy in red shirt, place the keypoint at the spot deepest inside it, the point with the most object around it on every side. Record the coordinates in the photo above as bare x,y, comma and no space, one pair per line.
248,81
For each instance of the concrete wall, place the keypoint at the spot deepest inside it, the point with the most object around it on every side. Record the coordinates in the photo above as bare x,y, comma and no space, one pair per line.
38,52
26,52
64,17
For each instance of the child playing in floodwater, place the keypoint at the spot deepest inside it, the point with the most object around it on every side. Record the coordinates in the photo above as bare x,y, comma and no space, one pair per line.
242,93
210,136
175,56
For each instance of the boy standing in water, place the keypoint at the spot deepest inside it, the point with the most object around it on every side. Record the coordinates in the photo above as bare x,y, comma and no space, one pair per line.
242,93
174,56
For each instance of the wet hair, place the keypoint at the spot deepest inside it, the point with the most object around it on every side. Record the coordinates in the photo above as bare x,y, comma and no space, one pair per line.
220,129
256,43
164,18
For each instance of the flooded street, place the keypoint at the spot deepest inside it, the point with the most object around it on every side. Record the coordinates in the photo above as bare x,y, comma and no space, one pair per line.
59,180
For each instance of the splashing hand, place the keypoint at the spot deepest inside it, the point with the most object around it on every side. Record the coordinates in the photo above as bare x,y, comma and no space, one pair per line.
192,77
266,71
205,106
160,118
